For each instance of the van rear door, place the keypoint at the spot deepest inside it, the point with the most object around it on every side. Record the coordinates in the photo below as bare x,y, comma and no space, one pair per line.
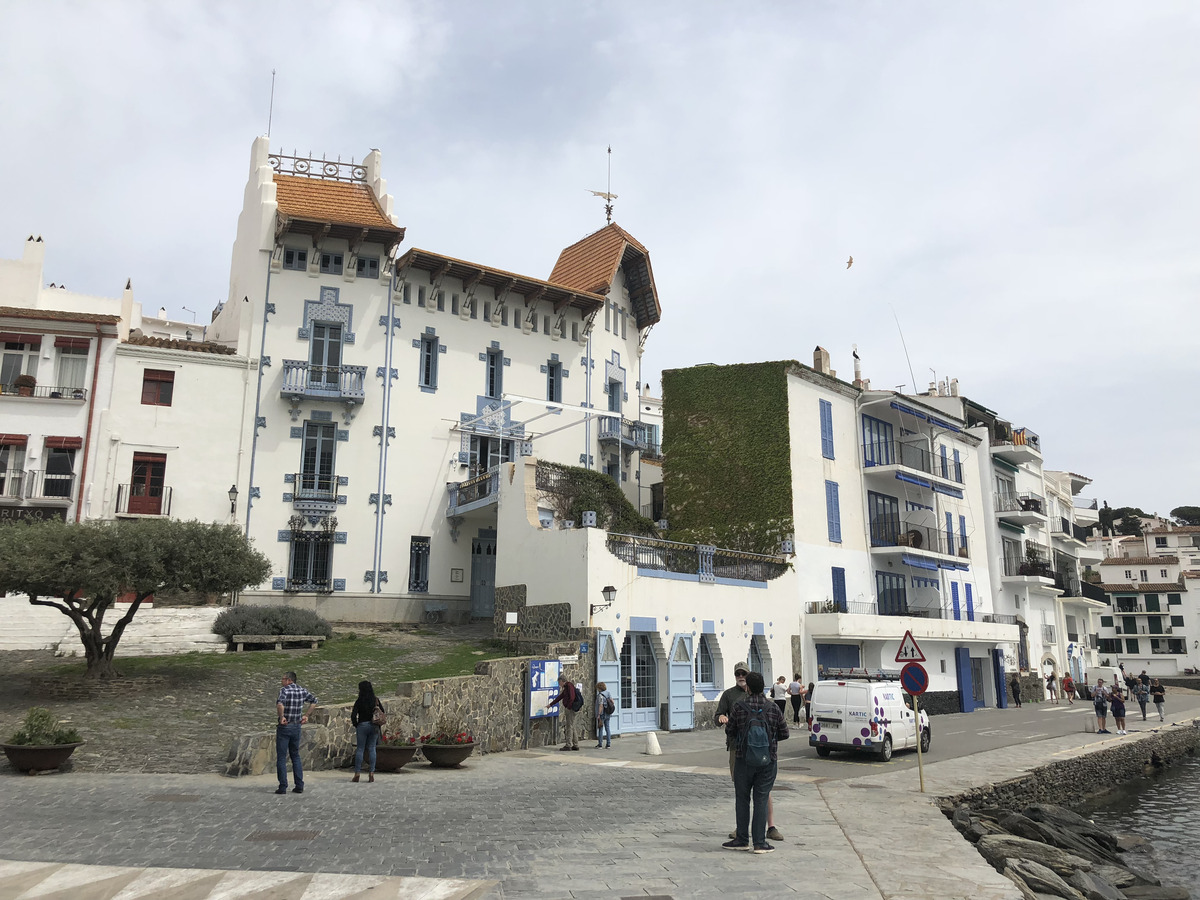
829,711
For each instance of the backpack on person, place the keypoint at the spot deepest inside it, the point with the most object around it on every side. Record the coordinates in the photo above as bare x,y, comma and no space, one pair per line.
756,743
575,703
610,706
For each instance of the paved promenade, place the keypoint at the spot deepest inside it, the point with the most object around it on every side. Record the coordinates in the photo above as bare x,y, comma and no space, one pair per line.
535,824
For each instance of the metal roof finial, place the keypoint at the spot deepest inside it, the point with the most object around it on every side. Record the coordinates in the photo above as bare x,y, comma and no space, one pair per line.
608,195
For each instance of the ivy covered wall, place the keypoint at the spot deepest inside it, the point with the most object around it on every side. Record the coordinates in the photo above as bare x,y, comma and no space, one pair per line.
727,476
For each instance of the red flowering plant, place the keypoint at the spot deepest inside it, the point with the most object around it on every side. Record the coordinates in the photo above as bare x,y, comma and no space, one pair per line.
399,739
450,730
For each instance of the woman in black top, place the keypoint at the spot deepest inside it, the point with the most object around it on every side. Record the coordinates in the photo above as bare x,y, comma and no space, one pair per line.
366,731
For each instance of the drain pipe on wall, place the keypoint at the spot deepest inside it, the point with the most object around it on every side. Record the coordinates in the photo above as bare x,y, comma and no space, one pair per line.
87,441
267,310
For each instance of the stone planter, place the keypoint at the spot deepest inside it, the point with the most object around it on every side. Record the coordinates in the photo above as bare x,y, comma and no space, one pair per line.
392,757
32,758
446,756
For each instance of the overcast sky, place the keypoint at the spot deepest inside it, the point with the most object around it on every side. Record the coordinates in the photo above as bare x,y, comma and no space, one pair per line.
1017,182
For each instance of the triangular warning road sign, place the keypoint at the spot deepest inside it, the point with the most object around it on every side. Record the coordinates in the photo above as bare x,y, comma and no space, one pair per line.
909,651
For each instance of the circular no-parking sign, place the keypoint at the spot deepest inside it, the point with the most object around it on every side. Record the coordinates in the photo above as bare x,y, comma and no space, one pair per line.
914,678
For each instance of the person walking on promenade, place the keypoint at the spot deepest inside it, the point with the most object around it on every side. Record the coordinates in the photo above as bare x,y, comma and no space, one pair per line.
1156,694
1068,689
1014,688
603,714
808,695
1118,709
729,697
1051,693
1141,693
1100,705
366,732
796,694
1144,678
567,692
753,719
779,693
291,715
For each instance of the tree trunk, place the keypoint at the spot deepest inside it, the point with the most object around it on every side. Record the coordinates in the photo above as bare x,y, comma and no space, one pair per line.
101,668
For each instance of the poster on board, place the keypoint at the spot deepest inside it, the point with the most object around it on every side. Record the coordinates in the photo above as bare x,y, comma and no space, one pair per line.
543,684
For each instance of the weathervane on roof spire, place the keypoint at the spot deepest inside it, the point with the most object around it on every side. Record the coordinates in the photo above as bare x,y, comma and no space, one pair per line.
608,195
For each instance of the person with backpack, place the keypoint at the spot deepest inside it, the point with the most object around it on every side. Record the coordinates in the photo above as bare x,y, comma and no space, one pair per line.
729,698
756,727
605,707
572,702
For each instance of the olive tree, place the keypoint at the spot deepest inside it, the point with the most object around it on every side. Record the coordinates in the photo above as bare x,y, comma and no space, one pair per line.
81,570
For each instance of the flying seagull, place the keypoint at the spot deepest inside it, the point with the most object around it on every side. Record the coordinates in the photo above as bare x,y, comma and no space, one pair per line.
605,194
849,262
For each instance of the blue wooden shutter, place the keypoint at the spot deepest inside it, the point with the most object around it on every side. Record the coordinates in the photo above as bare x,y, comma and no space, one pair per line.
950,533
833,511
839,588
962,532
970,604
945,464
827,429
954,599
957,475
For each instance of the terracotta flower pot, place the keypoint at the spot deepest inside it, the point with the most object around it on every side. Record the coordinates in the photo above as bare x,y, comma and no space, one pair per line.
28,757
392,757
446,756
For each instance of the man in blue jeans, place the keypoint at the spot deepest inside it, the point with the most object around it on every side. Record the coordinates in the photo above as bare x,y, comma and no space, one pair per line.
755,781
290,707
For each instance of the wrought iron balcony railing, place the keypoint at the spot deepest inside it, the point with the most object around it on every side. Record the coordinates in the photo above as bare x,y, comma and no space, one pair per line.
12,485
629,433
473,490
45,392
852,607
1027,567
708,563
41,485
1026,501
303,380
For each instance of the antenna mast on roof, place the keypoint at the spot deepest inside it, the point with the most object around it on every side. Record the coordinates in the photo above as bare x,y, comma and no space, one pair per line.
271,108
608,195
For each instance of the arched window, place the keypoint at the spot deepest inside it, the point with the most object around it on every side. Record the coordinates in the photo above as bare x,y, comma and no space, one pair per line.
704,664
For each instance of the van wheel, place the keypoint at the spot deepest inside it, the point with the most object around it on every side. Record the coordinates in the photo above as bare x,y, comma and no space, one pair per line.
885,749
822,751
925,741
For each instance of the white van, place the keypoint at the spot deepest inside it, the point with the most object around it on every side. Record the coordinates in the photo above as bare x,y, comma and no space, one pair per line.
871,716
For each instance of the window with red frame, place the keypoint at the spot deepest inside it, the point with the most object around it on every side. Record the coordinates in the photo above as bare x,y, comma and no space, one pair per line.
158,386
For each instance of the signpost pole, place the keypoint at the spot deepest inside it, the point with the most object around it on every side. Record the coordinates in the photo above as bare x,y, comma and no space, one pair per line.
920,762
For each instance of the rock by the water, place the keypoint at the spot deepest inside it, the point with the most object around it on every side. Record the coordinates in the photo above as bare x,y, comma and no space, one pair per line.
1115,875
1131,842
1040,879
1062,817
1094,888
1157,892
997,848
981,827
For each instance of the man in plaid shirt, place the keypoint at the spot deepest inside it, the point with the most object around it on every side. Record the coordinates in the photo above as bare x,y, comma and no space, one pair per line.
290,708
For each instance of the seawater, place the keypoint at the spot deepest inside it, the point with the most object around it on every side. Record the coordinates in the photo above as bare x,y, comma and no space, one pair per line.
1164,808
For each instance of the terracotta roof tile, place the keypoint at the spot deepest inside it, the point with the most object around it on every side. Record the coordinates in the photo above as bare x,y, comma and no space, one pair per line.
57,315
1141,561
145,340
1176,529
339,202
1161,588
591,264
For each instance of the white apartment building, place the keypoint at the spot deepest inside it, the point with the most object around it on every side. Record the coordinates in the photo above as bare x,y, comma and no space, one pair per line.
391,386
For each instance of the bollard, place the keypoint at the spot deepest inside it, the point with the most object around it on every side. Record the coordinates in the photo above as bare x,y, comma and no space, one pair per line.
652,748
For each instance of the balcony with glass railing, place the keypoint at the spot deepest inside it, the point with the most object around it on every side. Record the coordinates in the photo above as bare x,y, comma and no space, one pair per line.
630,434
894,457
1027,567
1024,507
887,532
1016,445
301,380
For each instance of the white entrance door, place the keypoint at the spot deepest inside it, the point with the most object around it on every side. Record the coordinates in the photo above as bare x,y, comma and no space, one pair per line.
639,684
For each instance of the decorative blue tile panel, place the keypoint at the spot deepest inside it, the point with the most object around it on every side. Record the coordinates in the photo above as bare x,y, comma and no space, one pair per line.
270,309
507,361
387,499
369,576
296,432
260,422
343,435
544,369
339,584
341,499
373,499
289,478
553,357
441,347
383,576
284,535
339,537
495,345
288,497
343,479
278,584
264,362
255,493
328,309
321,415
464,458
429,329
416,342
483,357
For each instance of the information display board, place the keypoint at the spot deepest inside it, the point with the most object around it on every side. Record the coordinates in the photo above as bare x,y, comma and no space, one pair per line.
543,684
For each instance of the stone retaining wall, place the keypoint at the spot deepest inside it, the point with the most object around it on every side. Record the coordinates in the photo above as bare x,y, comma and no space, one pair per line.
490,704
1065,782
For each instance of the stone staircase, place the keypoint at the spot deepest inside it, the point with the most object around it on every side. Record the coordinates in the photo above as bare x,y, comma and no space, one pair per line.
153,632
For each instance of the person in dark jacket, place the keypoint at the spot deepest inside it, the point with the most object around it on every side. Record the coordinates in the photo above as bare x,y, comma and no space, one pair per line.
729,697
1014,688
566,696
750,780
366,732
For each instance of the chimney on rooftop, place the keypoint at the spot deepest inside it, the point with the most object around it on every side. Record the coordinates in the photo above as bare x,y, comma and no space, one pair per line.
821,360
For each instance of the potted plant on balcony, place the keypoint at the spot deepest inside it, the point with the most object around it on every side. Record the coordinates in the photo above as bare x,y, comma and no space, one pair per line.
25,385
394,750
42,743
449,744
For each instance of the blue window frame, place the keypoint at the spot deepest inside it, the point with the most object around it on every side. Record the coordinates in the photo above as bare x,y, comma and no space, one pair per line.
962,532
890,590
331,264
428,375
957,468
704,664
615,392
833,511
945,462
954,600
839,588
295,259
878,449
827,429
367,267
950,533
970,604
495,374
554,381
